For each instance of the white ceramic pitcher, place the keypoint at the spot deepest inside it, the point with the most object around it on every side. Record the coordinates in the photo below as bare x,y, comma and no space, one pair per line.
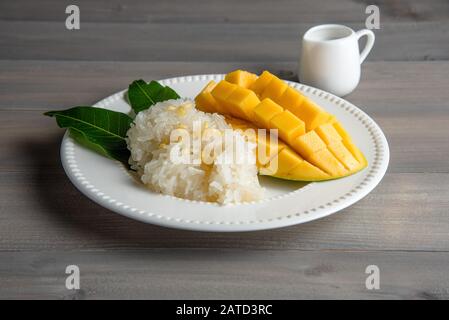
330,57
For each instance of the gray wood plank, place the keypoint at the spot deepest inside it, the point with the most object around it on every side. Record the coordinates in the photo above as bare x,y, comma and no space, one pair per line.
426,152
393,87
204,42
200,11
223,274
42,210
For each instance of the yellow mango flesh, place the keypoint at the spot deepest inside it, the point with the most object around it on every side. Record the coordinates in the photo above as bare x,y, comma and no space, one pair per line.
272,160
306,171
308,144
336,156
318,147
205,101
267,149
290,99
288,126
242,102
300,105
282,163
265,111
347,141
328,133
312,114
274,90
326,161
333,139
221,93
241,78
343,155
261,83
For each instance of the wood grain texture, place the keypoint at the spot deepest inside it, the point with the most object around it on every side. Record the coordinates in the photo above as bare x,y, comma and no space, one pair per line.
395,87
46,224
204,41
41,210
223,274
226,12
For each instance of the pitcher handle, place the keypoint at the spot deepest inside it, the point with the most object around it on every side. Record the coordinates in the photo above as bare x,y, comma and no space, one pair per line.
369,43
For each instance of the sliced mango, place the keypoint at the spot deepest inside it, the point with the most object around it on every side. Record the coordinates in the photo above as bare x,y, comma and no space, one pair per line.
290,99
241,78
338,149
261,83
305,171
308,144
300,105
313,144
333,139
275,89
283,163
205,101
347,141
267,149
326,161
355,152
265,111
237,123
242,102
288,126
328,133
341,131
221,93
312,114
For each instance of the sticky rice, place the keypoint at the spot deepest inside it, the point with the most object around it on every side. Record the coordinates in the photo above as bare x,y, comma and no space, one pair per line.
183,165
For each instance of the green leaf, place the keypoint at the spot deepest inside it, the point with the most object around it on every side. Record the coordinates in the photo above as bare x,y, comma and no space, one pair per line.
99,129
121,155
142,95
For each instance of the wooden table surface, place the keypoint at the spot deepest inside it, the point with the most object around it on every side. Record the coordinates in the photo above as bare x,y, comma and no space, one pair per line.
46,224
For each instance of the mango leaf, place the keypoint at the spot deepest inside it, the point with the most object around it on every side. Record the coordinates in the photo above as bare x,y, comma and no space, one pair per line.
102,130
121,155
142,95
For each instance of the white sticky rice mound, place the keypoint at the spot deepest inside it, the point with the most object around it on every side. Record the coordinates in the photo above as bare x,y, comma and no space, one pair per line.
217,181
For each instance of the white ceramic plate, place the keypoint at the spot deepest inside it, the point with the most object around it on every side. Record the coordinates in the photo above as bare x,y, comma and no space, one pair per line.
286,203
